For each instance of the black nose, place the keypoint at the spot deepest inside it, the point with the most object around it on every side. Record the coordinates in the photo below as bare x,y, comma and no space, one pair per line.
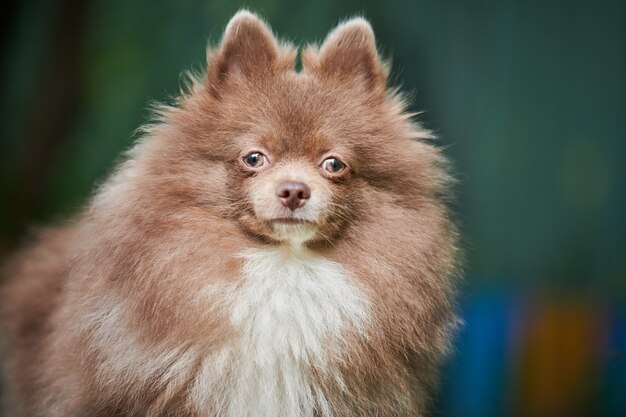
293,194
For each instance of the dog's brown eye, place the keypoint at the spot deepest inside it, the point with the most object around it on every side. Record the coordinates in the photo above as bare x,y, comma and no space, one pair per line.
255,159
333,165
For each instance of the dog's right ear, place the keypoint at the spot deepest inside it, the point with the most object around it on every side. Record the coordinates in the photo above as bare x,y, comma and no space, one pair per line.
248,51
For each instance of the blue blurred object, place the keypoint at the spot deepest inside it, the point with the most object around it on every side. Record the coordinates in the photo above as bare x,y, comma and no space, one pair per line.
477,381
614,384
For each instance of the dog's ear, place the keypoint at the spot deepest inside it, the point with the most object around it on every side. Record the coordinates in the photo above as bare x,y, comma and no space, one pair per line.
349,52
248,51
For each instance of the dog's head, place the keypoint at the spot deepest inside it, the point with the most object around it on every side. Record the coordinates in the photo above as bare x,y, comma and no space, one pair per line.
302,150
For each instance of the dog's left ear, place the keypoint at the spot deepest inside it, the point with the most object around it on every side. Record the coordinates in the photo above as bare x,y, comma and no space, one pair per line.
248,51
349,53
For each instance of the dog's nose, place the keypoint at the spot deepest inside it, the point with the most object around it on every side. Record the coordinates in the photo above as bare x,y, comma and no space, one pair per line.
293,194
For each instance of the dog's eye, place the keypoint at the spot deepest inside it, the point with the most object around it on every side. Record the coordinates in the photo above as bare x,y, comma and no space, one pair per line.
255,159
333,165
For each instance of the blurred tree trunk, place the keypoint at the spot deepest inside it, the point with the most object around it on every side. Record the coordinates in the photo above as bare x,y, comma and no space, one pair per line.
50,114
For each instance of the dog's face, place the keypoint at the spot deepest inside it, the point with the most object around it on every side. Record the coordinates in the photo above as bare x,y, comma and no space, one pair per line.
293,175
301,149
294,188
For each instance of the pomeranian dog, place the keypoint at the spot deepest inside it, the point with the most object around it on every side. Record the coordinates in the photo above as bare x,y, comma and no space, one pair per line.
277,244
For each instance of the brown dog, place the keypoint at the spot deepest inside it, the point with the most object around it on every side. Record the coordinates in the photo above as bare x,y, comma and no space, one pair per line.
276,245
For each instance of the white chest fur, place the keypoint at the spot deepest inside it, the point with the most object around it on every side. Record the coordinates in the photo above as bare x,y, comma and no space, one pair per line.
291,313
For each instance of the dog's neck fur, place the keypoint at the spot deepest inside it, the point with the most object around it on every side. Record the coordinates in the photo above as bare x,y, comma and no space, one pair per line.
292,313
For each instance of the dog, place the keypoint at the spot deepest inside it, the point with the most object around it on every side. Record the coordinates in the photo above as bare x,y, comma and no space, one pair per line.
278,243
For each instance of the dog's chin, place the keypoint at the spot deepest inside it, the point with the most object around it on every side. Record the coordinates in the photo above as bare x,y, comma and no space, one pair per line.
295,232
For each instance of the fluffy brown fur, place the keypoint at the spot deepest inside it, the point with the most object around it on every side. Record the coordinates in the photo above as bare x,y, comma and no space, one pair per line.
138,306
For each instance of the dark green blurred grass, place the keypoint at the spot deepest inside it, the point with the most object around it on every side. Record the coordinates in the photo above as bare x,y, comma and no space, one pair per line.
529,98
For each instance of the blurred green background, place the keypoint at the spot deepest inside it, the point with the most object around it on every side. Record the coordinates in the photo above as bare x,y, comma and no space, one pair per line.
529,98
